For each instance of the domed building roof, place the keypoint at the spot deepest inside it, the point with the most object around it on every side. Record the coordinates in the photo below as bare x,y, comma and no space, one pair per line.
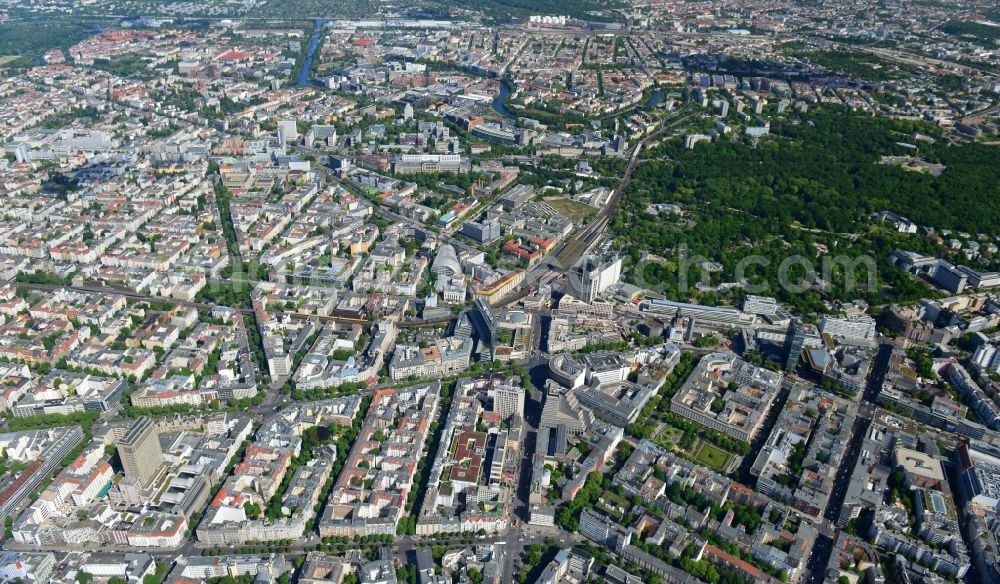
446,262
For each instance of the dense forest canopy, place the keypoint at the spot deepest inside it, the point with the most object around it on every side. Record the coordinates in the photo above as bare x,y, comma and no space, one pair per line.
808,188
20,42
824,172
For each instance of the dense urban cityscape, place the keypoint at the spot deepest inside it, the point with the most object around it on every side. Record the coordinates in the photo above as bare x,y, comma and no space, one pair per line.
500,291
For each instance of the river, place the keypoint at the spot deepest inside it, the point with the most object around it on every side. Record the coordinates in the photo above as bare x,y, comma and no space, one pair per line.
498,101
313,43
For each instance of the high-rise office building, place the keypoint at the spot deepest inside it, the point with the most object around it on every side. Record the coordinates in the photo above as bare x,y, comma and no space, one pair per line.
603,531
139,450
987,356
591,277
794,343
483,232
949,277
288,132
508,400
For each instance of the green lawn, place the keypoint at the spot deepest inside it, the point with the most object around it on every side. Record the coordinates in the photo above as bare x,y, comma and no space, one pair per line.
712,457
575,211
668,437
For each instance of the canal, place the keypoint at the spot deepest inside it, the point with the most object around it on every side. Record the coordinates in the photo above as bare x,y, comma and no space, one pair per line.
310,53
498,101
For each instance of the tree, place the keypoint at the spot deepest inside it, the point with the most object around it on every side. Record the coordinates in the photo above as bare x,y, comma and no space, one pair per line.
820,176
568,516
252,509
84,577
159,575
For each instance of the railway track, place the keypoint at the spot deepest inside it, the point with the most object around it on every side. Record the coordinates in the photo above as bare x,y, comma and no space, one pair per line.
570,252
